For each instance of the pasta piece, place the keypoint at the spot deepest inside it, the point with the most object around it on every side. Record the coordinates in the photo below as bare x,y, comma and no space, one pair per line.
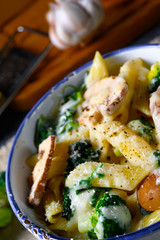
136,150
58,164
77,134
32,160
53,208
61,224
132,204
64,225
129,71
141,98
99,141
55,185
98,70
145,221
123,177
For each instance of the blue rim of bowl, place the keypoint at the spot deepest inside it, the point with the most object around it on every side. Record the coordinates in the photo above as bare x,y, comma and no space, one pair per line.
38,231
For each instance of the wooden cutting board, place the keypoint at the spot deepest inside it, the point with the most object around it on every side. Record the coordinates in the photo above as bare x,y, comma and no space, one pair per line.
125,20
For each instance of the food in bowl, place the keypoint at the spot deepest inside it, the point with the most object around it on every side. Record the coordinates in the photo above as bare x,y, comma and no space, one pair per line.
96,174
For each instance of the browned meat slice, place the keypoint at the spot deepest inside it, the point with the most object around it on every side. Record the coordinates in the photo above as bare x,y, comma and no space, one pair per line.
41,169
103,98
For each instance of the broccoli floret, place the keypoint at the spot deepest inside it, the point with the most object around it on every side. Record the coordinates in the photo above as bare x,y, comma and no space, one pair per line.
3,195
143,128
98,192
44,128
67,211
108,200
80,152
107,217
154,77
92,234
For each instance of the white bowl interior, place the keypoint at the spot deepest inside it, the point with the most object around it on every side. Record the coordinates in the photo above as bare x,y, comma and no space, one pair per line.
23,146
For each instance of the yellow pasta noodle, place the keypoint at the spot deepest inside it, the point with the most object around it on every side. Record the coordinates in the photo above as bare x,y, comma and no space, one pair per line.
55,185
145,221
53,208
58,164
98,70
64,225
99,141
129,71
32,160
141,98
124,177
136,150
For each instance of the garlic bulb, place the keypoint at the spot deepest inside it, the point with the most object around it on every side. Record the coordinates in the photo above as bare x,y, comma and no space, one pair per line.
73,21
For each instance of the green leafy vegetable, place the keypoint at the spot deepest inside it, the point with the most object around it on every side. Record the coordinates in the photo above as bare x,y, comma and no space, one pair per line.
67,211
66,122
144,129
92,234
44,128
154,77
80,152
98,192
154,84
156,154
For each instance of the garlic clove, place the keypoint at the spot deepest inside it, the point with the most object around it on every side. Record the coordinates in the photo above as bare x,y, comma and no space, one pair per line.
72,21
56,41
73,17
95,9
69,25
50,16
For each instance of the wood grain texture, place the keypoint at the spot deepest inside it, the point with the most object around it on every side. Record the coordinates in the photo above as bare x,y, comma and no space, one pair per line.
124,21
9,9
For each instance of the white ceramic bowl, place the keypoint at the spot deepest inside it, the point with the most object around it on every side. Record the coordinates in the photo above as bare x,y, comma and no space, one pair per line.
23,145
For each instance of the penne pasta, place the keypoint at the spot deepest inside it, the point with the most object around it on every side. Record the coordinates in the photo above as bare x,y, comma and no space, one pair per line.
125,177
141,98
135,149
52,207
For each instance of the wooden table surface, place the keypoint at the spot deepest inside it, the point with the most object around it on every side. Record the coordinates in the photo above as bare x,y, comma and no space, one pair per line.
125,21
